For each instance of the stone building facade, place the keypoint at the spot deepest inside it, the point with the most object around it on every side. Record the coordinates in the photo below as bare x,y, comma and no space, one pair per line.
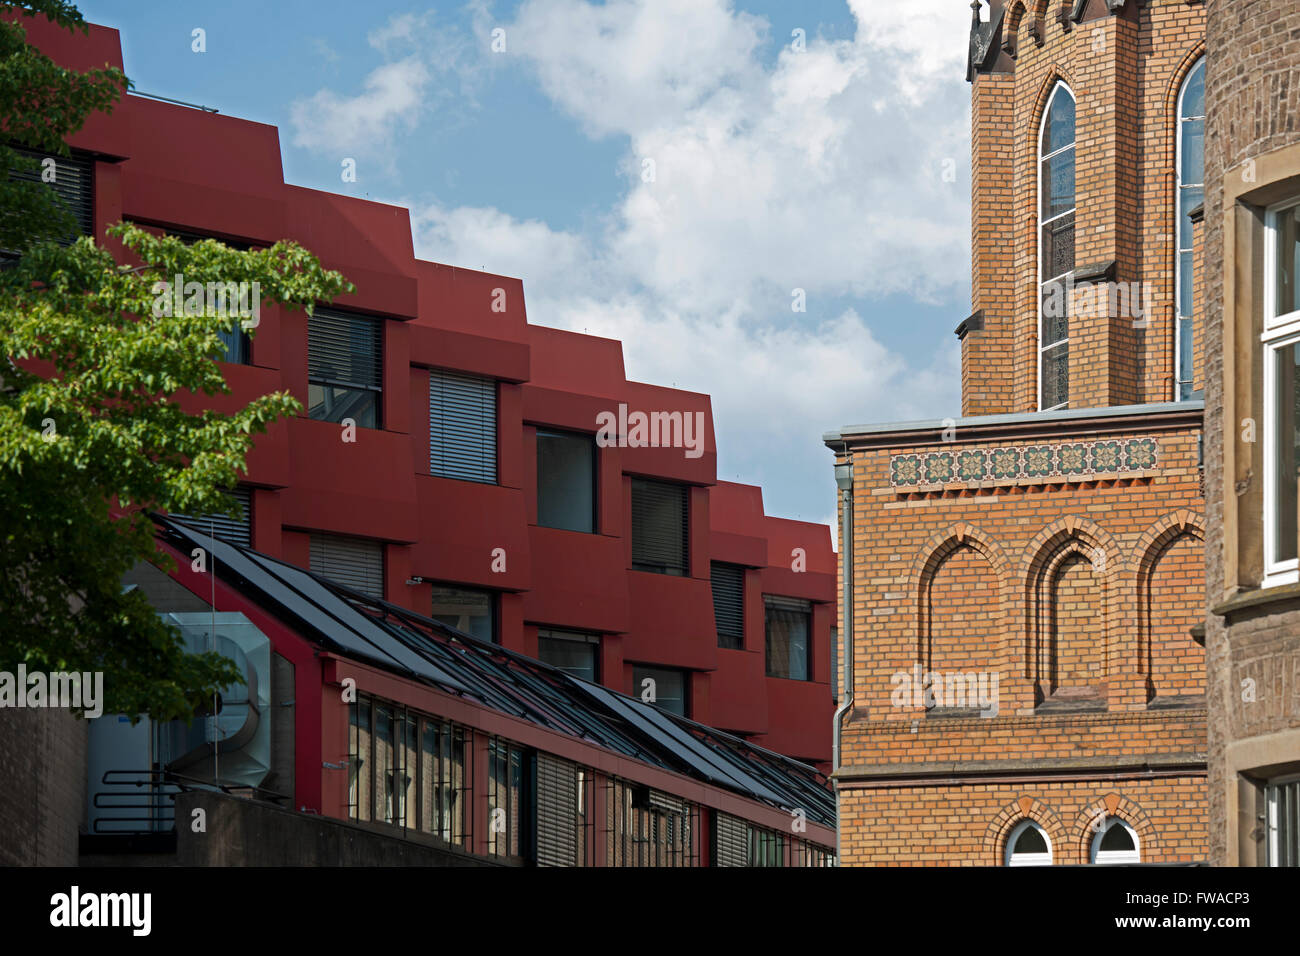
1025,580
1252,207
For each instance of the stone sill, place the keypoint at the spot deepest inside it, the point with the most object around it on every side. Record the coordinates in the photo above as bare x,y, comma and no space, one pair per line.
1257,598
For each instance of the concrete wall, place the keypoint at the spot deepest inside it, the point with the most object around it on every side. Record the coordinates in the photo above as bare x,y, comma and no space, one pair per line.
43,799
241,832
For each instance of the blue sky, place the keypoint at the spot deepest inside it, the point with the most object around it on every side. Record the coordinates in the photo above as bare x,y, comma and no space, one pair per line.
835,161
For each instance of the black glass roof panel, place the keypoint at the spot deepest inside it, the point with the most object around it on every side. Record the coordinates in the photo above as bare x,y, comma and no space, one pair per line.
400,640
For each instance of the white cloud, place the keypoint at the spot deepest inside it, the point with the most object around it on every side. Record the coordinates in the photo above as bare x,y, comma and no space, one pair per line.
366,123
821,171
425,66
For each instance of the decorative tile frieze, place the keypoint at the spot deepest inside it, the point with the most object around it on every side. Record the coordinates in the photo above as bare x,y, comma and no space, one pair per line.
1037,464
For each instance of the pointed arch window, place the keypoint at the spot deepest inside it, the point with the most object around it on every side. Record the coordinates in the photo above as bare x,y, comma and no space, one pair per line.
1190,162
1056,207
1115,843
1028,845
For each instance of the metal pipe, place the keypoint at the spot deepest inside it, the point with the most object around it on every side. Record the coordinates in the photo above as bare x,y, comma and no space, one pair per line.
844,482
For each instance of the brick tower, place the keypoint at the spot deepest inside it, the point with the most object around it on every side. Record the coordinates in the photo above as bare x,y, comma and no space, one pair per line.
1026,581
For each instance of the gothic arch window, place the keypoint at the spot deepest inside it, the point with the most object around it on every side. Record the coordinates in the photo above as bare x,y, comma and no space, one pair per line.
1114,843
1028,845
1056,206
1190,164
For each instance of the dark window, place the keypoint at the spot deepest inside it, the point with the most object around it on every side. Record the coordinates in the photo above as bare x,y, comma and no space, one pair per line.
462,426
667,689
573,653
233,528
507,815
345,367
355,562
73,183
566,481
660,522
729,603
466,609
789,638
407,770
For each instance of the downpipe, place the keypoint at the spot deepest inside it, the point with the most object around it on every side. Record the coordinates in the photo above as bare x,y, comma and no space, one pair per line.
844,482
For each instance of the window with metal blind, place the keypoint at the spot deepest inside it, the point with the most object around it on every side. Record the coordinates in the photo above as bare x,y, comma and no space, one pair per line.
789,637
345,367
462,426
1282,803
354,562
73,183
660,527
235,528
560,813
730,840
729,603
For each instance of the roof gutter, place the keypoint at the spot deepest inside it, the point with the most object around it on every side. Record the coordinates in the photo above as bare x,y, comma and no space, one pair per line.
844,482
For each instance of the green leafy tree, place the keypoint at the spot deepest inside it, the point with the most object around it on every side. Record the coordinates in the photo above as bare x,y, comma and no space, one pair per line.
95,428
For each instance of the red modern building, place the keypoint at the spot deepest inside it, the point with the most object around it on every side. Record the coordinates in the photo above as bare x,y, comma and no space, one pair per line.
473,486
503,479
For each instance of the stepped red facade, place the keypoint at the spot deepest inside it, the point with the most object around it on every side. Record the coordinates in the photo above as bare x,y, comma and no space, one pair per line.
184,169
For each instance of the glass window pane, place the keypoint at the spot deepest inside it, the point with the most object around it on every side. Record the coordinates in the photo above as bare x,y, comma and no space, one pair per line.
430,777
1116,839
1056,313
572,653
1186,351
1189,198
1058,247
1059,129
566,481
1030,841
385,753
1058,184
1185,276
1286,262
466,610
330,403
360,766
1056,376
1286,439
669,688
1194,91
1193,152
787,643
516,791
406,782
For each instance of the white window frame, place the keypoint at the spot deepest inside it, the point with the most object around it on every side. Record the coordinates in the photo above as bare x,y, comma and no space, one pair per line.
1040,161
1280,331
1271,824
1027,859
1101,857
1181,120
